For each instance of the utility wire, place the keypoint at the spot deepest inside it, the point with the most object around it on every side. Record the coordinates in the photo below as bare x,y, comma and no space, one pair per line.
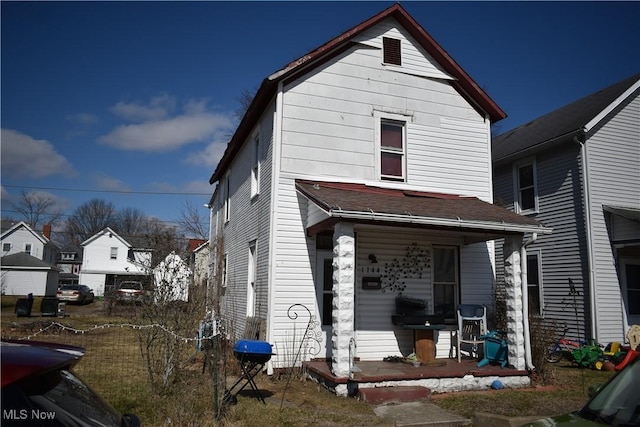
85,190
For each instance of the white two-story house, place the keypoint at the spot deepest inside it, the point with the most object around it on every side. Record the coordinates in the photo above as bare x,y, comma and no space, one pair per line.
362,170
109,259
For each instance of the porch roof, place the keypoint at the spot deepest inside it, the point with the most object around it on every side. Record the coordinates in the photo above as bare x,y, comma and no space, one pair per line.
385,206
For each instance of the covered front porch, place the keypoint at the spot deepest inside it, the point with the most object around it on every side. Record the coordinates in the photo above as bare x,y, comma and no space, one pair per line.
388,217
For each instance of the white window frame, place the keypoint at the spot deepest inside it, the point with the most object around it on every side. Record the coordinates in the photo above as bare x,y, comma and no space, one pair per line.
226,207
28,248
399,120
113,252
252,272
538,254
517,190
225,269
255,165
7,244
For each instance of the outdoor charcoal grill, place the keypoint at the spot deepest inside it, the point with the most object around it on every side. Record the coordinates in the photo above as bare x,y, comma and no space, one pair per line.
252,355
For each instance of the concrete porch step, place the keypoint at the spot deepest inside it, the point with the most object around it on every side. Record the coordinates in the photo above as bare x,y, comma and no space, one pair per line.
397,394
419,414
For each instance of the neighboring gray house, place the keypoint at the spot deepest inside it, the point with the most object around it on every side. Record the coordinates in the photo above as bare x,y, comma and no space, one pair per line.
577,170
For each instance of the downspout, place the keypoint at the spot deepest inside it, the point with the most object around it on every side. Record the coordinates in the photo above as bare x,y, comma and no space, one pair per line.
587,213
525,301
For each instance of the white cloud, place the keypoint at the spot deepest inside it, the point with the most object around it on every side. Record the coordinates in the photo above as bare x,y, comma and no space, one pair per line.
24,156
83,119
158,132
105,182
210,156
158,108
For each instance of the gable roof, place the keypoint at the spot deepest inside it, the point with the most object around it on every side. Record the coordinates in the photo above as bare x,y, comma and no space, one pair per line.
571,120
463,82
386,206
26,226
99,234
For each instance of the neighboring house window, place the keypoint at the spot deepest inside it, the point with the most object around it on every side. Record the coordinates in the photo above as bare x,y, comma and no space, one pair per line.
534,285
392,150
445,281
391,52
27,248
526,189
6,247
114,253
255,169
251,285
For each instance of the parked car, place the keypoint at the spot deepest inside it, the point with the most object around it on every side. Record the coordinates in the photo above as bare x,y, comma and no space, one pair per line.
39,388
616,403
130,292
79,294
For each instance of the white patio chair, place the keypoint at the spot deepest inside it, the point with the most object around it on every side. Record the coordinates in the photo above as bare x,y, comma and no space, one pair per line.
472,324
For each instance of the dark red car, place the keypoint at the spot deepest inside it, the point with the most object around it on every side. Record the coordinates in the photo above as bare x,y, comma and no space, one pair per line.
40,389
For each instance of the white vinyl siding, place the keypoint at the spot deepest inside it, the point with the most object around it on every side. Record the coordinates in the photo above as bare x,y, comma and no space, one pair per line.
329,125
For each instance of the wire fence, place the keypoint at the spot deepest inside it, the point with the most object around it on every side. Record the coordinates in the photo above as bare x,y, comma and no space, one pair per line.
134,365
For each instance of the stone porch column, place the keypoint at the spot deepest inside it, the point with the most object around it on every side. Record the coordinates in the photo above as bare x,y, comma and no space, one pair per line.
343,297
513,287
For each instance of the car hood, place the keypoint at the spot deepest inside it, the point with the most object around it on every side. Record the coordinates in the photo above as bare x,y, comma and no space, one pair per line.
572,419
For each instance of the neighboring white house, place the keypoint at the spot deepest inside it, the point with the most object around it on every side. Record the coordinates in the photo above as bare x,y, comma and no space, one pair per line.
108,259
28,260
577,169
20,237
373,149
172,279
201,264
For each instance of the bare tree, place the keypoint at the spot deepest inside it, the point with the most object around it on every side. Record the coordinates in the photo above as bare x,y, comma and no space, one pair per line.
37,208
193,221
130,222
89,218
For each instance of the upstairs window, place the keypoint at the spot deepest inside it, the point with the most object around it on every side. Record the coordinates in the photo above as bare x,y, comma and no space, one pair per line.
227,200
6,247
391,53
392,150
113,253
526,189
27,248
255,169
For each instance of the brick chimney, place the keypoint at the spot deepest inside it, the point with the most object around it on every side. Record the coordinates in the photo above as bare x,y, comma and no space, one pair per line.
46,231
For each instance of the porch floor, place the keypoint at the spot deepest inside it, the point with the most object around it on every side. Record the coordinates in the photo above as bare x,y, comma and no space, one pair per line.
442,375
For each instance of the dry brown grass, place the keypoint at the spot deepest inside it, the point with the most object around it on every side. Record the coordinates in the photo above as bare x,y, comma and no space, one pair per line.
113,365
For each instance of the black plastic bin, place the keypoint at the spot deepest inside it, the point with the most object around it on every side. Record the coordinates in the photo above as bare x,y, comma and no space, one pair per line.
23,307
49,306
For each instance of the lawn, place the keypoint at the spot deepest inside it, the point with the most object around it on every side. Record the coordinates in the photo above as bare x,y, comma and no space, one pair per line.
115,367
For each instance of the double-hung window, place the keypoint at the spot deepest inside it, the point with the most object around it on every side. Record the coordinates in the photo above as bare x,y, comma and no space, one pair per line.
27,248
526,188
114,253
392,150
445,281
6,247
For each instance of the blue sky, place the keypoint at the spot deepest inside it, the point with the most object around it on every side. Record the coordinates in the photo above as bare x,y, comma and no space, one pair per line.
133,102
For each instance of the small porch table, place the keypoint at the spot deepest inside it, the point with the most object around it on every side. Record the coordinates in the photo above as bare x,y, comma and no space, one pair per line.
423,343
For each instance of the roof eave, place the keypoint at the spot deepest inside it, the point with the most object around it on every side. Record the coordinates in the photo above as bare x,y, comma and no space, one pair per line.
464,83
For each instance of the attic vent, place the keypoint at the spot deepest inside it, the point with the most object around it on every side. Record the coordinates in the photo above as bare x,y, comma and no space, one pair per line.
391,51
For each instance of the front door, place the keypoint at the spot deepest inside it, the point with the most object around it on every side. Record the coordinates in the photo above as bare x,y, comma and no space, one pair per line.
324,291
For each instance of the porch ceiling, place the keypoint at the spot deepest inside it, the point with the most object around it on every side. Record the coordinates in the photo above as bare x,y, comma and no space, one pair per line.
478,220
